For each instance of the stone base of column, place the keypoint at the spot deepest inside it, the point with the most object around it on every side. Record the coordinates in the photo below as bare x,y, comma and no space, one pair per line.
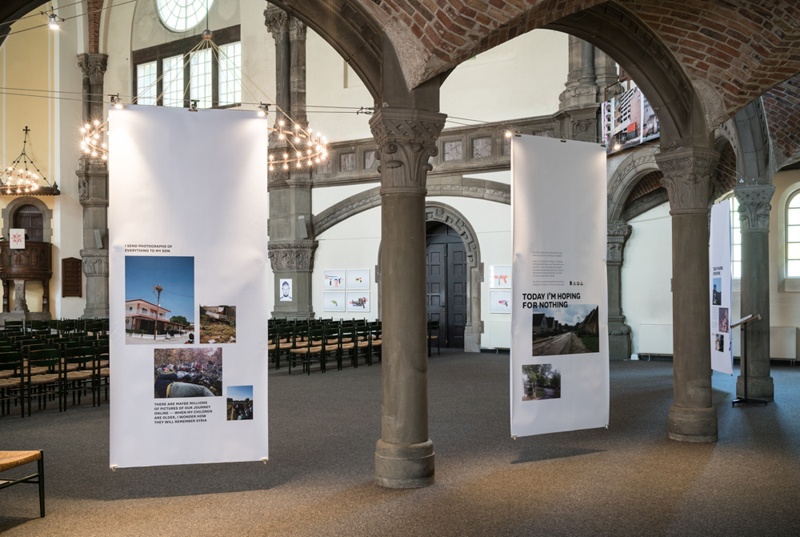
619,347
757,388
404,466
692,424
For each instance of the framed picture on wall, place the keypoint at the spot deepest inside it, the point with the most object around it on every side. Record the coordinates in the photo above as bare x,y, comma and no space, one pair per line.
500,277
334,301
357,279
500,302
358,301
334,279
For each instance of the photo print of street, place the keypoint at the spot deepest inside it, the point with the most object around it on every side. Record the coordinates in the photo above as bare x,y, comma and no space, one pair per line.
540,381
570,330
159,300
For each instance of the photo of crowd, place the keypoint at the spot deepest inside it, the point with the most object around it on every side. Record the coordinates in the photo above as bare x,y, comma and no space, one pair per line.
240,403
187,372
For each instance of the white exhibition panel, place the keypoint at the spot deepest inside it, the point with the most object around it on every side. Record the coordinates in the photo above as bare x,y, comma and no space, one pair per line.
559,350
720,288
188,213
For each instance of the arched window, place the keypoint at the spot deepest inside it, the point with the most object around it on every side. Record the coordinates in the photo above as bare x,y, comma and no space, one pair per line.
793,236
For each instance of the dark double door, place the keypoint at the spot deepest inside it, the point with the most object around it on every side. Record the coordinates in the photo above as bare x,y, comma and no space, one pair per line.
446,283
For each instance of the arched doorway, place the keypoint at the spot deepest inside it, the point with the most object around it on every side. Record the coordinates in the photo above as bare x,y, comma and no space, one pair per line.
30,218
446,283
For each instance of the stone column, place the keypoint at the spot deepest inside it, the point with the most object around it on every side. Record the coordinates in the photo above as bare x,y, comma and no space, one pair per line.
619,333
93,194
20,304
687,177
578,108
406,139
291,234
754,208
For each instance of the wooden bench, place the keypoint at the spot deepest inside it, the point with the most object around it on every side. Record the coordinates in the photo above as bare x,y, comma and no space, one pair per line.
12,459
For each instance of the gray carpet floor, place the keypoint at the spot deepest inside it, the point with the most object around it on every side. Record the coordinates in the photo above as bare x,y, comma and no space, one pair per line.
629,479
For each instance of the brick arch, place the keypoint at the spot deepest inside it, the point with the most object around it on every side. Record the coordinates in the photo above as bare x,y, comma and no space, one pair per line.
637,167
350,28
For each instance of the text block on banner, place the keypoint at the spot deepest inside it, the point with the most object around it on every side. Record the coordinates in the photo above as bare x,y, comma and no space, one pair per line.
188,286
559,318
720,288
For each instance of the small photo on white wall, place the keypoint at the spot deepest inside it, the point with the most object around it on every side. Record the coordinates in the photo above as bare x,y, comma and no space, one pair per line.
500,302
334,279
357,279
334,301
358,301
500,277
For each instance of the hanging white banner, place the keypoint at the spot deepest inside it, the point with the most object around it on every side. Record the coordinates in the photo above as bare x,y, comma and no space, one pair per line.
188,274
559,320
720,288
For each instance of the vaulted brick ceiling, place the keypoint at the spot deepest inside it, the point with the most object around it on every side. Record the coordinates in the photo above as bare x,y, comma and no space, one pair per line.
731,51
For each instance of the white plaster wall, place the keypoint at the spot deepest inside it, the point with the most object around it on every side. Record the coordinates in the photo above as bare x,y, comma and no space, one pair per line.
323,198
520,78
66,120
351,244
646,273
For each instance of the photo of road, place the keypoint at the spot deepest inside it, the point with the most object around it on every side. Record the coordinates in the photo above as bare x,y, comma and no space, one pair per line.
570,330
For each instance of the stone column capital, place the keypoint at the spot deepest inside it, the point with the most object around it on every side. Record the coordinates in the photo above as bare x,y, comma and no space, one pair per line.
276,20
688,177
95,262
406,140
292,256
754,206
93,66
618,233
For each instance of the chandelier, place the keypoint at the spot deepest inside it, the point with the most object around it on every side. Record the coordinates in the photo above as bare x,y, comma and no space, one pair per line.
301,147
298,147
22,176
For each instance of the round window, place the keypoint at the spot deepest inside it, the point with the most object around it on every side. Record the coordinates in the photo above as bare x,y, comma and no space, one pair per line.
182,15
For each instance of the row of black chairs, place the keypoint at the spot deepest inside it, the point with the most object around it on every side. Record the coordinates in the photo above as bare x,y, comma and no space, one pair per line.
51,367
320,341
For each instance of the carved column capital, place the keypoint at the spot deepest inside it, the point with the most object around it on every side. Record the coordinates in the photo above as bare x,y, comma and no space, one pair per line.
93,66
297,30
688,177
754,206
276,20
618,233
406,139
95,262
296,256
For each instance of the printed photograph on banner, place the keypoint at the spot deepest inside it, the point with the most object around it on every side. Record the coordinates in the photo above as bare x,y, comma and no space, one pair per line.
159,300
358,301
334,300
187,372
240,403
334,279
573,329
217,324
540,381
719,342
723,320
499,301
501,277
716,292
357,279
285,290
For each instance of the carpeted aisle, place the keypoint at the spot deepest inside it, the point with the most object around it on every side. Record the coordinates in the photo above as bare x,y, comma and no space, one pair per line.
626,480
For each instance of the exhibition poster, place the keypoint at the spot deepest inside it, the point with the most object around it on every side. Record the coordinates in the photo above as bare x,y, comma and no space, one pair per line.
188,291
559,319
720,288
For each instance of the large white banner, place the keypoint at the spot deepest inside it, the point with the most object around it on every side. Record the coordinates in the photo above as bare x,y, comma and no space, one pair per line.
559,320
720,288
188,286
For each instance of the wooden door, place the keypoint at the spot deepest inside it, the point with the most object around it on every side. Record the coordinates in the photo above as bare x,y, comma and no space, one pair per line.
447,284
436,286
